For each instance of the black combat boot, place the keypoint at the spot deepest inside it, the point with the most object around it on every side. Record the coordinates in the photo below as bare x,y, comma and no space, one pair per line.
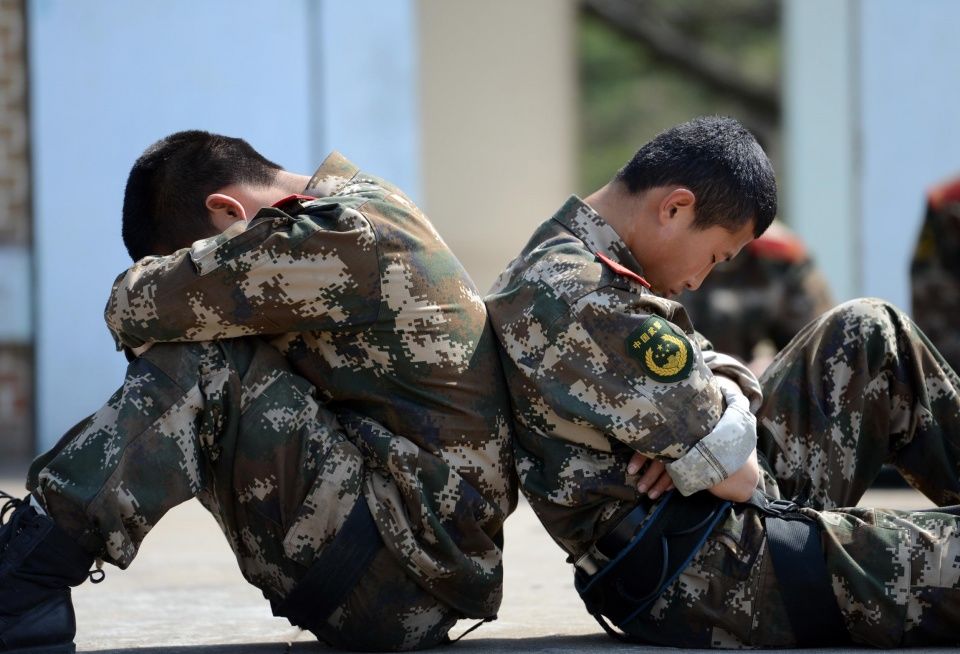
38,564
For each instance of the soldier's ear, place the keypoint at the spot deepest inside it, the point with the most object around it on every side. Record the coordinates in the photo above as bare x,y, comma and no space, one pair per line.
677,203
224,210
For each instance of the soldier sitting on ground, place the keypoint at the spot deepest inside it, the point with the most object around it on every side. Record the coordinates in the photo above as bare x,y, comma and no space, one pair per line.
605,372
372,515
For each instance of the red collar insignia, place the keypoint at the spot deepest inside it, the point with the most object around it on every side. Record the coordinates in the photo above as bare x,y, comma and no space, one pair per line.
292,198
623,271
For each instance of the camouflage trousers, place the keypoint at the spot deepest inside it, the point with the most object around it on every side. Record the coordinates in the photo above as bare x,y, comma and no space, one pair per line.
858,387
228,423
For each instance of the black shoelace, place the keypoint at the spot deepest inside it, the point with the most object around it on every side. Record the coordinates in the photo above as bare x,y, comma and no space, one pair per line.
10,527
9,519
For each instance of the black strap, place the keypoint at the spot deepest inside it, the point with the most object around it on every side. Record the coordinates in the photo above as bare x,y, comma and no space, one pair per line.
636,576
613,633
472,628
801,569
334,573
622,533
795,549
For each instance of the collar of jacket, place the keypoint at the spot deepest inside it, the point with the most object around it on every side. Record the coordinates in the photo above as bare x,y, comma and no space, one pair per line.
332,175
596,233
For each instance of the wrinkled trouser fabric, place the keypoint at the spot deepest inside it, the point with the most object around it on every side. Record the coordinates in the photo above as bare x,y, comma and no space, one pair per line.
228,423
858,387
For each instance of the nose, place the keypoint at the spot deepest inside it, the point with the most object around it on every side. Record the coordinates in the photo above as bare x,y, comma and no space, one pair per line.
695,282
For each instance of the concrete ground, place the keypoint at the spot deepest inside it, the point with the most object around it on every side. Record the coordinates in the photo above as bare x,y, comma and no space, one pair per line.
184,595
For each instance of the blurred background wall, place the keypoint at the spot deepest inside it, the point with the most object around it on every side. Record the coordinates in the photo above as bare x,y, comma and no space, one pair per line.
489,114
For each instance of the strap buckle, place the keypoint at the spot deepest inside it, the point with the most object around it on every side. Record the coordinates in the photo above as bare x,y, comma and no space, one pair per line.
779,507
592,562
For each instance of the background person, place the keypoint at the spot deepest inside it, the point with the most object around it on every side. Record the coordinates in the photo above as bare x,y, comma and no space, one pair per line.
935,271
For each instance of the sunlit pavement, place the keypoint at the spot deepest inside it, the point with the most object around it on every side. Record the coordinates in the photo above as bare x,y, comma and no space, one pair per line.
184,595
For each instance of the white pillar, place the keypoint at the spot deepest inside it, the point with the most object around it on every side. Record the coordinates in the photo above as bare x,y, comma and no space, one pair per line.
821,117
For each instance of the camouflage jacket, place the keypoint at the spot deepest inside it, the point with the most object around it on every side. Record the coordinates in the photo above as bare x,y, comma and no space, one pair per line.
599,367
935,272
764,296
367,302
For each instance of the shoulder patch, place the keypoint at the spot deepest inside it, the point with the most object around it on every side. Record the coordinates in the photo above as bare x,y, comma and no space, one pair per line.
664,353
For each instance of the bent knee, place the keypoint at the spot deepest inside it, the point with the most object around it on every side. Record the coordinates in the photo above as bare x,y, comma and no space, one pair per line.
866,312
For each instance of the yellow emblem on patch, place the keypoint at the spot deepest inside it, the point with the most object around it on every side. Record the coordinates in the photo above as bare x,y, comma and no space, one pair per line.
663,352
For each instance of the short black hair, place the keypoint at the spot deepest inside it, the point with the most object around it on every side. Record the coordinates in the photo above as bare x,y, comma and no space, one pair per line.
720,161
164,204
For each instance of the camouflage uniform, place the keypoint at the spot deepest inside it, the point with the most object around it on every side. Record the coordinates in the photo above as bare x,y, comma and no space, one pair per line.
367,304
935,271
599,367
762,298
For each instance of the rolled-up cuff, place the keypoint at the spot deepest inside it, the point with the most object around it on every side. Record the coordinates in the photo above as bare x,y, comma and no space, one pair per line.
718,454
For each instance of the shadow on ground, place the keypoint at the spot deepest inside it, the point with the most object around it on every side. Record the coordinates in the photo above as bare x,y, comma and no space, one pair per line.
532,645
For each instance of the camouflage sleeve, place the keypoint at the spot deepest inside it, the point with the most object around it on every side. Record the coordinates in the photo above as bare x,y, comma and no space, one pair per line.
279,274
730,367
614,365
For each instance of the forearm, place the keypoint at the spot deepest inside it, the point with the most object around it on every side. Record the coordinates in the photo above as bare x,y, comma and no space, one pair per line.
280,274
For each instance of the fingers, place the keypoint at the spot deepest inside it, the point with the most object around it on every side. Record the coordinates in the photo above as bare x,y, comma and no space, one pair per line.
636,462
661,486
650,476
655,481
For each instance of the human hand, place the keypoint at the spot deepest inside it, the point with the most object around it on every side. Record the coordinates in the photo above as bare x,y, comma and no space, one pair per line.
739,486
654,481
